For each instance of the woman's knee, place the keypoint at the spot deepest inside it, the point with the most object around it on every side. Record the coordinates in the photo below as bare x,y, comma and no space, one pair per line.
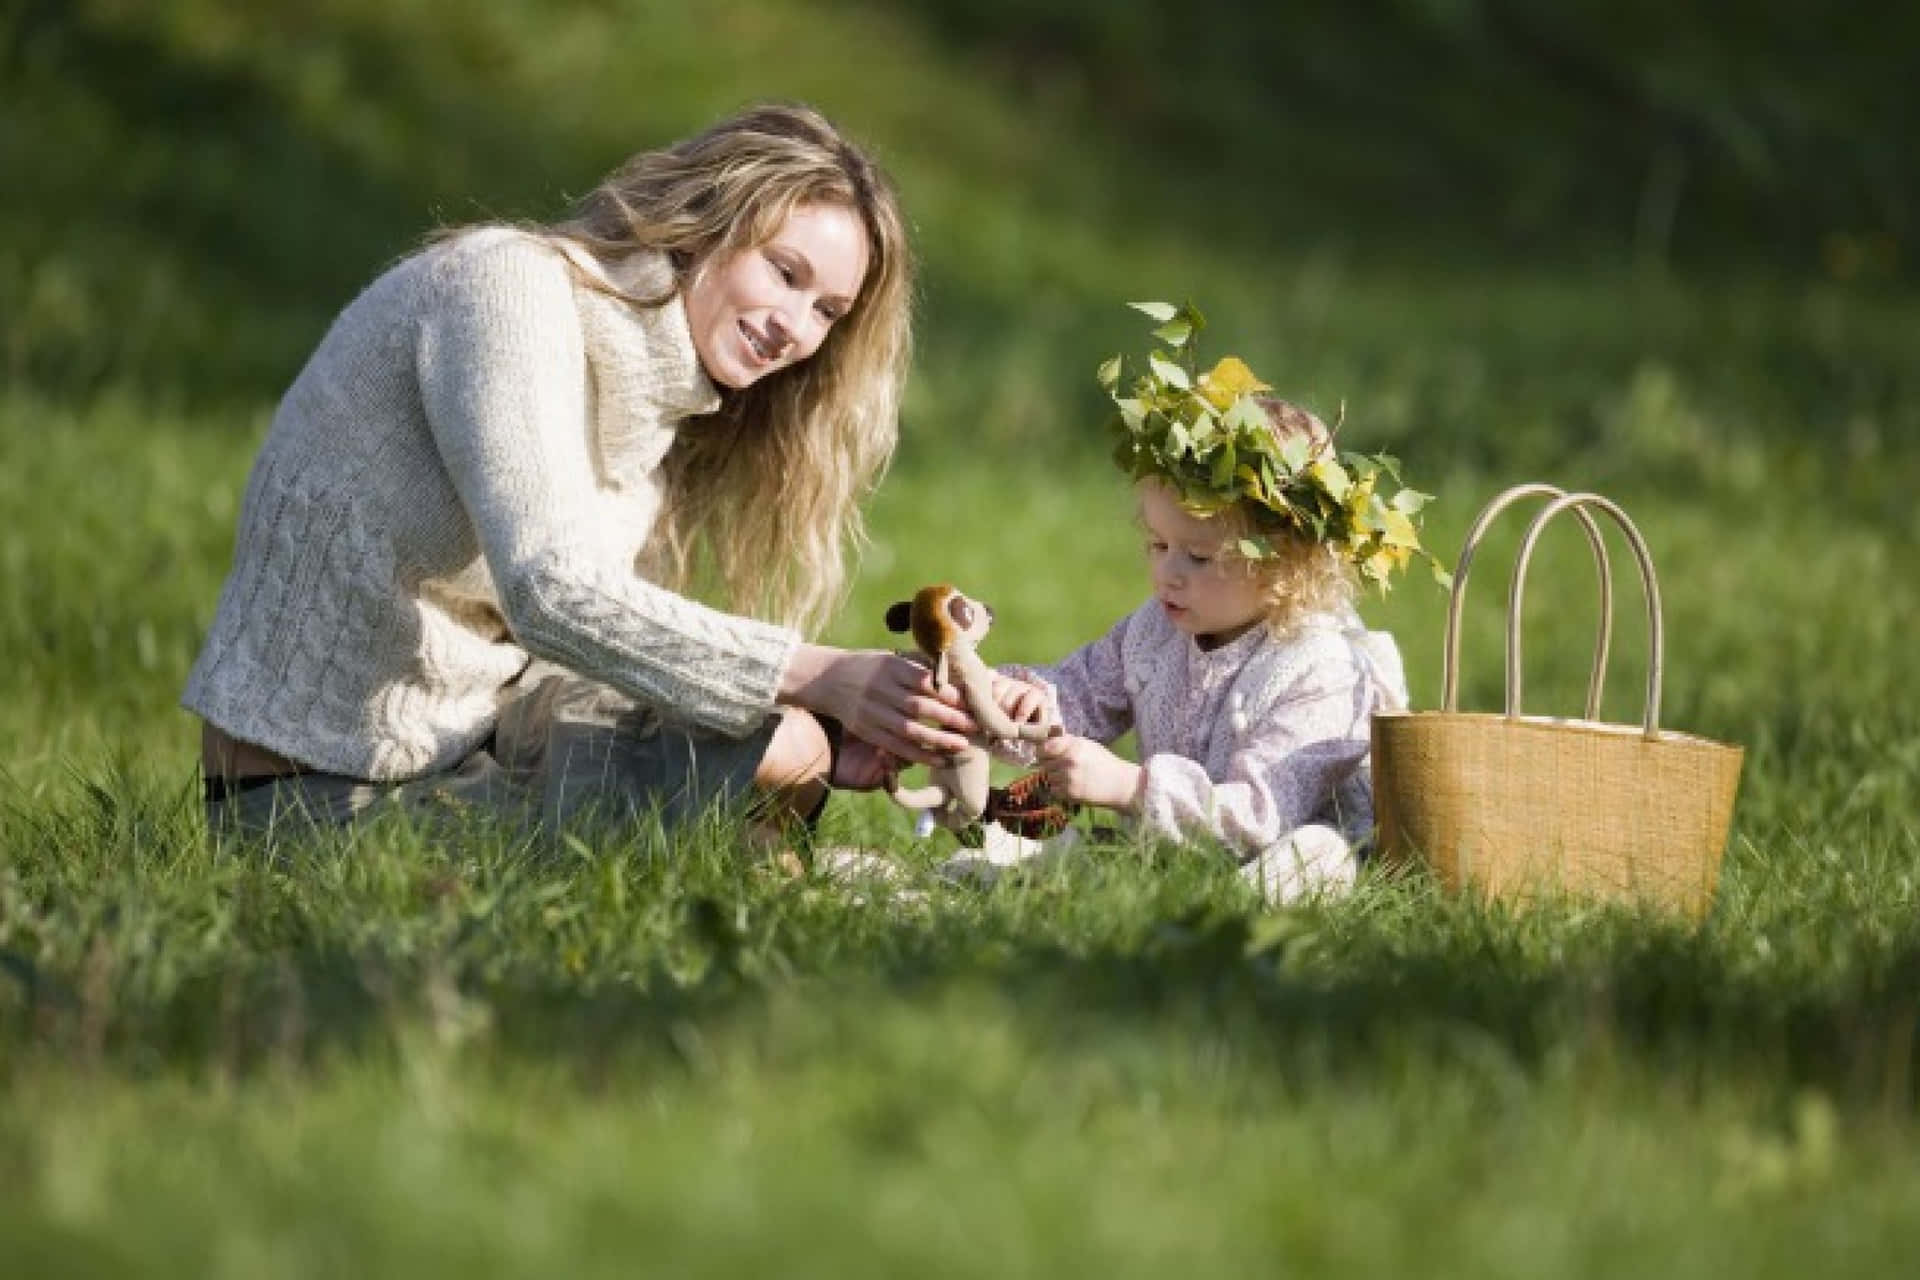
799,755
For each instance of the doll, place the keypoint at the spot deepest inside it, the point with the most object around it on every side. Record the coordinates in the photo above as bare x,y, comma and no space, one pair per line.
947,626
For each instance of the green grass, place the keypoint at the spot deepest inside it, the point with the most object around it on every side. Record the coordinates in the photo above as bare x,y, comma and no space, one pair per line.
410,1050
418,1052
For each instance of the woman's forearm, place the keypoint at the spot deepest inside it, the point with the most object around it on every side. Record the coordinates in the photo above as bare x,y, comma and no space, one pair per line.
805,682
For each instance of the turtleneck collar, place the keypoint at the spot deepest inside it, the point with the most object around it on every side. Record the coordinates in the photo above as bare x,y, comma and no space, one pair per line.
643,357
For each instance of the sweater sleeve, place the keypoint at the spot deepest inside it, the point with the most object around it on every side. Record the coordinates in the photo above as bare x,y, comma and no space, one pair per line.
504,384
1284,771
1086,690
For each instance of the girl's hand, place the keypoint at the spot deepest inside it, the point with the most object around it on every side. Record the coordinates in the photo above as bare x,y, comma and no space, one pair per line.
881,699
1083,770
1023,701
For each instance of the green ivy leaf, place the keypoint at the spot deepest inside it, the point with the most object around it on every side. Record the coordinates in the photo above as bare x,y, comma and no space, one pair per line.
1158,312
1175,332
1221,468
1246,415
1332,477
1409,501
1294,452
1109,373
1169,372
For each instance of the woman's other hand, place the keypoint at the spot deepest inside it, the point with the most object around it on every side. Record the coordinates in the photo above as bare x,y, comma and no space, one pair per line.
861,766
883,699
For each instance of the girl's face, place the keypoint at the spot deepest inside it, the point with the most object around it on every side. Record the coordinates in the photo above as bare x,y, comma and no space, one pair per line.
770,306
1208,595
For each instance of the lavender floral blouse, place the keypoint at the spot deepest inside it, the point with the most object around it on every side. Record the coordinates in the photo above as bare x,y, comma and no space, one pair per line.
1244,744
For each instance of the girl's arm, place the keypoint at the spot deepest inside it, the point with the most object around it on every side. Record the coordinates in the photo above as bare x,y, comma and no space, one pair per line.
1283,773
1086,692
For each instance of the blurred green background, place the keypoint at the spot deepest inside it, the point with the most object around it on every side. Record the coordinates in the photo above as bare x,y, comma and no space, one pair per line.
1666,251
196,185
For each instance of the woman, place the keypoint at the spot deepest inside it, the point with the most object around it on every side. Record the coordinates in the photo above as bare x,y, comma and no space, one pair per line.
463,546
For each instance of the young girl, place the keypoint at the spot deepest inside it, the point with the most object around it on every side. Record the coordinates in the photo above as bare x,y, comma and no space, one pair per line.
1250,683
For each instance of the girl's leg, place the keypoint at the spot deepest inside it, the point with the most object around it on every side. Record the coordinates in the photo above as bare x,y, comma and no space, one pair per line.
1312,859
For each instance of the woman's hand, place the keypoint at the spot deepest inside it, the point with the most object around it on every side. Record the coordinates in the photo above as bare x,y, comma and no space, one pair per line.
886,701
1081,769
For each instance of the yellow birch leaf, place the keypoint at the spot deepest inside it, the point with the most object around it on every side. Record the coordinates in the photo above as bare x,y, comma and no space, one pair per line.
1359,503
1398,530
1331,476
1228,380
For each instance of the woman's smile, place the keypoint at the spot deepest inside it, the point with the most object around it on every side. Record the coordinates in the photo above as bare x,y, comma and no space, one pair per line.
763,350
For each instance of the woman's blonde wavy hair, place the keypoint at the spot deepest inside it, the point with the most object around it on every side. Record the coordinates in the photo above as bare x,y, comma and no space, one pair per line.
766,493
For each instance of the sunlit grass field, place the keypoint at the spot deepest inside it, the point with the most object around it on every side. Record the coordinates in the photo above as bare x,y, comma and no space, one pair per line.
410,1050
452,1051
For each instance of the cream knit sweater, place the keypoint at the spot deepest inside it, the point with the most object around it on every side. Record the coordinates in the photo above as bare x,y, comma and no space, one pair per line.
462,476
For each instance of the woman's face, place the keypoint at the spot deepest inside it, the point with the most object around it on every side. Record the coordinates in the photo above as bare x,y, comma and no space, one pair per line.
771,306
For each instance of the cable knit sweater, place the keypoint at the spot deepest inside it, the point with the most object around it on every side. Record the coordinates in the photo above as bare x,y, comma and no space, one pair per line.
1243,744
463,475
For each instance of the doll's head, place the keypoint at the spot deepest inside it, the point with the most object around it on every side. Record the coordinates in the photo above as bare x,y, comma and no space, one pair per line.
941,617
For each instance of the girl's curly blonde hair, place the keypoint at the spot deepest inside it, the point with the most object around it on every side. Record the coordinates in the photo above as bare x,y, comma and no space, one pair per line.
1303,576
766,494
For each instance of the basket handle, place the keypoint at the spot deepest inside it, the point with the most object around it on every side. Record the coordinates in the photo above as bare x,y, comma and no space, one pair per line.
1578,502
1450,673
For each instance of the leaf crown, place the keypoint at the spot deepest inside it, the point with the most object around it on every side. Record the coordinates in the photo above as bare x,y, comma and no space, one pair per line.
1209,437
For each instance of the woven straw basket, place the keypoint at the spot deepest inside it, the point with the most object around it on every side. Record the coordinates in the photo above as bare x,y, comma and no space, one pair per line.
1521,806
